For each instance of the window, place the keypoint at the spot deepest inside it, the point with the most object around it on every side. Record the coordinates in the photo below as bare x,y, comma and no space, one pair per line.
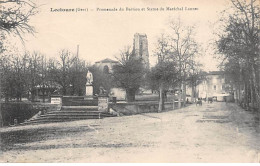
141,49
215,87
106,69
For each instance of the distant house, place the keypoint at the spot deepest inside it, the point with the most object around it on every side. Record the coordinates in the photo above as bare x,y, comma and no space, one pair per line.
215,85
106,65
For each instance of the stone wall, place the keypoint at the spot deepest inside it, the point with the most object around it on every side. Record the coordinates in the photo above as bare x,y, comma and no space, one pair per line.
138,108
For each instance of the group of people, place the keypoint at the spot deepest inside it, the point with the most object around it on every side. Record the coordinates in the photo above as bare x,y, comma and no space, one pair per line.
199,101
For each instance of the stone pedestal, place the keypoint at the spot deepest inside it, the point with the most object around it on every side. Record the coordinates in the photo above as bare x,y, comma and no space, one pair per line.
103,103
89,90
56,100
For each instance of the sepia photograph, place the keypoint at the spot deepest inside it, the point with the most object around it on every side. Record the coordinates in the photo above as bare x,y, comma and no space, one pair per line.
130,81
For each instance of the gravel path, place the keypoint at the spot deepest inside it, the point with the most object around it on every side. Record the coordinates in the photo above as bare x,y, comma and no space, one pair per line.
216,132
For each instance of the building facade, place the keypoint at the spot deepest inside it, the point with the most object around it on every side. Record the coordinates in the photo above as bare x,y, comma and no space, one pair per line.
106,65
214,85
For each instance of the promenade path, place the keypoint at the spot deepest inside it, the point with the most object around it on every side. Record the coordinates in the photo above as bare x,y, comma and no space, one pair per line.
216,132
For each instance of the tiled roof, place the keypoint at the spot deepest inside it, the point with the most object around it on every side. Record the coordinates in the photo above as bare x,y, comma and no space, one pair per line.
215,73
107,60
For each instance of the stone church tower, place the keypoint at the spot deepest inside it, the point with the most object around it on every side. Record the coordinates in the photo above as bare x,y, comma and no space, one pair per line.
140,48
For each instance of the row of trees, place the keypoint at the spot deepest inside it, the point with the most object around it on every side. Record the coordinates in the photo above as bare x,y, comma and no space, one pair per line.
176,65
238,45
33,73
14,20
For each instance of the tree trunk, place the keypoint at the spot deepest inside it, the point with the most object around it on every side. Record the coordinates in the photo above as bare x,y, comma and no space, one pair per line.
179,96
184,94
246,96
251,85
258,74
43,94
33,95
130,95
192,93
64,91
1,118
239,92
173,102
255,87
161,99
236,93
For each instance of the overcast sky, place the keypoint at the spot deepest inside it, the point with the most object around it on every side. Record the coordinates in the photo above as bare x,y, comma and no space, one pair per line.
101,34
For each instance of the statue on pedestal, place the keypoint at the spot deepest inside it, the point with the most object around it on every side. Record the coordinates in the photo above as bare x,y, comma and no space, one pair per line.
102,91
89,78
89,84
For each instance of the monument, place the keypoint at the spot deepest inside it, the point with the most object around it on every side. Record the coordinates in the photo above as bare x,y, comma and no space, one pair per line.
89,84
103,100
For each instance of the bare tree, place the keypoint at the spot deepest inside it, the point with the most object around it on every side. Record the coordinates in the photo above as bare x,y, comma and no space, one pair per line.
194,78
34,68
15,16
164,74
183,48
63,74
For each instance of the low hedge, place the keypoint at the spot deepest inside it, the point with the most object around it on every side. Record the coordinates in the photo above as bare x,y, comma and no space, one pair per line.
18,110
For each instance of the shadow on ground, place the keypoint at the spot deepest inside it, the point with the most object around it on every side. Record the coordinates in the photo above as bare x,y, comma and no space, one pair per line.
10,140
